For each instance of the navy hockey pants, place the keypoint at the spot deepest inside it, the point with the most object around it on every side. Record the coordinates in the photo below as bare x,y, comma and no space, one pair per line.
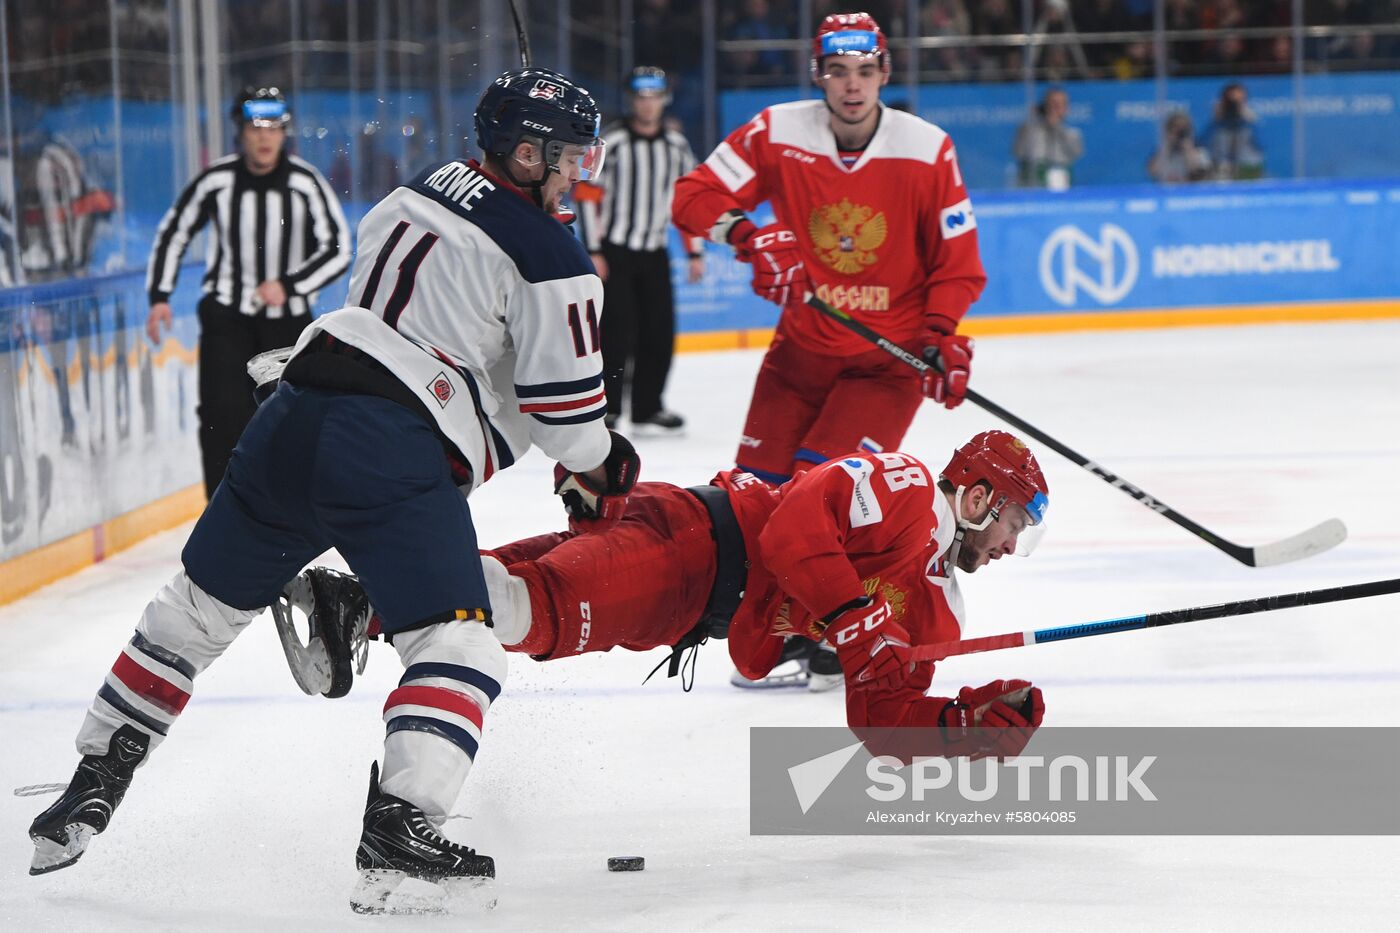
320,468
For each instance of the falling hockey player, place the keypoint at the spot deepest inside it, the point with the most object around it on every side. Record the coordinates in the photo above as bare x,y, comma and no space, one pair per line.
860,552
473,335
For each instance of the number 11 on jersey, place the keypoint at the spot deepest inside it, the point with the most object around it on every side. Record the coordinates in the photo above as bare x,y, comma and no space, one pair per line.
576,325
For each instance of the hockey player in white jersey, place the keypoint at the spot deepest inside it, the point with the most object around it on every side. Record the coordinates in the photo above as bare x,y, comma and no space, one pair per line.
471,334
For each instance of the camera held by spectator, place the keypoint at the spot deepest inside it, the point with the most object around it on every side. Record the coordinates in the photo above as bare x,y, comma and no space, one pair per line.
1231,139
1178,158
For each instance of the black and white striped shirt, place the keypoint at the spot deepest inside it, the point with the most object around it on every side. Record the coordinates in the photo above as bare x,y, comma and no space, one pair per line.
55,217
285,226
639,176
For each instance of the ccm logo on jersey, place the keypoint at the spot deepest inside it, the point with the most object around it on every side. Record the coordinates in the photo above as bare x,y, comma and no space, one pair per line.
442,389
800,156
870,623
585,611
957,220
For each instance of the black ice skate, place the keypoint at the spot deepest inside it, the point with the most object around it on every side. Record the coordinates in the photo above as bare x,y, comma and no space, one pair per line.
399,843
62,832
662,424
337,615
824,670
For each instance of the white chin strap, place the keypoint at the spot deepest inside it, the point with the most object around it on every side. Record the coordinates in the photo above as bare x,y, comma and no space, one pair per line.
956,548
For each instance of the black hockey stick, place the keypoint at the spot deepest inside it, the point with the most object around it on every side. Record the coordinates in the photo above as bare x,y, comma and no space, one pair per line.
1315,540
948,649
522,37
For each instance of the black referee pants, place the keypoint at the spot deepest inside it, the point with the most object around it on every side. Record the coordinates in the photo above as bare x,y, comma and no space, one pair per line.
638,327
227,340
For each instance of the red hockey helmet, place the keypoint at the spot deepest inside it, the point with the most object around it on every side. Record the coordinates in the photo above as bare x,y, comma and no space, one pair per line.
1008,466
849,34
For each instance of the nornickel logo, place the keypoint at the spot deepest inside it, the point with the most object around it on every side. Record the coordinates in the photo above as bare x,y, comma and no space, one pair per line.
1071,260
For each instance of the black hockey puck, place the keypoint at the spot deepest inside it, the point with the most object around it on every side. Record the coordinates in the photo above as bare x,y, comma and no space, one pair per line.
627,863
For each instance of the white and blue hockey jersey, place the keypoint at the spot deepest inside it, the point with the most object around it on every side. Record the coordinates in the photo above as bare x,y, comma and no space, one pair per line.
486,309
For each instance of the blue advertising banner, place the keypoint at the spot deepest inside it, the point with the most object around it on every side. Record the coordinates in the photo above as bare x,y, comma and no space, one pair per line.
1213,245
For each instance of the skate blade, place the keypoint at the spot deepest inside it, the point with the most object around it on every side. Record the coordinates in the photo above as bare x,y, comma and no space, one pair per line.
653,430
51,856
469,894
378,892
785,675
821,683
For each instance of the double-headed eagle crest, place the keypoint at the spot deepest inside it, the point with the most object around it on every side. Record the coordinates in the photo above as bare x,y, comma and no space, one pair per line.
893,595
846,236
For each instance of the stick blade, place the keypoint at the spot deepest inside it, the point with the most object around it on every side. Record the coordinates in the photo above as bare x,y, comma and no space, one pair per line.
1315,540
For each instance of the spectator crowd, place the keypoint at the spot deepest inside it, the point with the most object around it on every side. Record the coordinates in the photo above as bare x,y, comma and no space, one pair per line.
1086,38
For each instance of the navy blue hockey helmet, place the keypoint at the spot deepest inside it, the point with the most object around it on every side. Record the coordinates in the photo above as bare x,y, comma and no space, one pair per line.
538,105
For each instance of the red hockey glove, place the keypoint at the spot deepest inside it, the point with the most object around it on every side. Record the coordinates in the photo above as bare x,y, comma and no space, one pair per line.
997,720
588,496
952,353
873,648
779,274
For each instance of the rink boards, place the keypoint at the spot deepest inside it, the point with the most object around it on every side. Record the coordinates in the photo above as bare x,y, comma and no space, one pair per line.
98,429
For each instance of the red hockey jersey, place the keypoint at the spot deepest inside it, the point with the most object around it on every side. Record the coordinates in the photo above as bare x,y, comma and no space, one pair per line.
851,527
892,239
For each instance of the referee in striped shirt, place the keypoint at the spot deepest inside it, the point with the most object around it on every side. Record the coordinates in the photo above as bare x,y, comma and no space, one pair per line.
623,220
278,235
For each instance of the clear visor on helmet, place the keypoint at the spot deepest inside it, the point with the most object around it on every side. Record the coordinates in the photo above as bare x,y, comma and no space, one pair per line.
836,68
580,161
1026,526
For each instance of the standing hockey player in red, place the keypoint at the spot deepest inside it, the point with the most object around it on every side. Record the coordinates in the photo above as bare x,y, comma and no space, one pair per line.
859,552
872,217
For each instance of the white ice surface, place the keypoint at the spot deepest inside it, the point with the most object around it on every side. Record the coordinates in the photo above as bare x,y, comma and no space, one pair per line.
247,818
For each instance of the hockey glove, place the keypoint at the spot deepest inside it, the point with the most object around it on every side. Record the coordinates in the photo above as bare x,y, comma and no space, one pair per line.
779,274
997,719
873,648
950,355
591,496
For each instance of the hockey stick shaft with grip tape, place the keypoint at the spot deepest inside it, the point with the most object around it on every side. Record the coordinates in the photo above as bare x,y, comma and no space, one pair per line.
948,649
1315,540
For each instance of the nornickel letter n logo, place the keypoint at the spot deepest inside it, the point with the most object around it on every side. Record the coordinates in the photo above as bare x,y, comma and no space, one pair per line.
1106,268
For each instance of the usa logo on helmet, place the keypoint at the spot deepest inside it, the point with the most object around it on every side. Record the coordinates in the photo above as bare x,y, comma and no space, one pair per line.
546,90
